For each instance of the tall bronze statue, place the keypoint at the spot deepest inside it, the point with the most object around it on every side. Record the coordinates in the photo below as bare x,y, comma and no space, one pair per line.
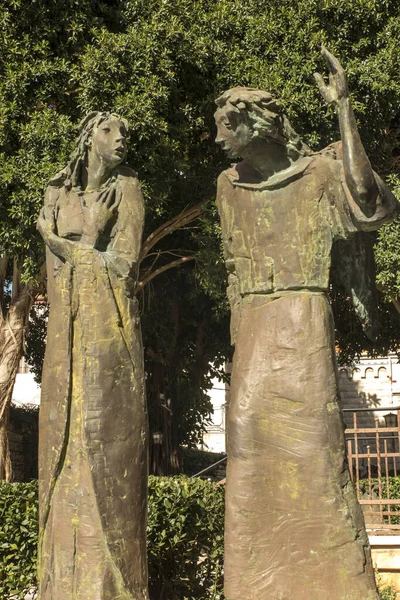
294,528
93,422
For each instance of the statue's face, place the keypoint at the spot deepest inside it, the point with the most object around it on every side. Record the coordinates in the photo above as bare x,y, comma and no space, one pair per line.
232,137
109,141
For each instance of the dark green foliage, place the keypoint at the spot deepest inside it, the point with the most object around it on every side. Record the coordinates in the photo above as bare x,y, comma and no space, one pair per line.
184,332
387,254
18,537
387,593
36,339
40,42
185,538
350,338
24,420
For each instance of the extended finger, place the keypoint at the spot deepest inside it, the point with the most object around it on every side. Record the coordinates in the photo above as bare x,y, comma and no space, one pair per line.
102,197
333,63
117,200
110,198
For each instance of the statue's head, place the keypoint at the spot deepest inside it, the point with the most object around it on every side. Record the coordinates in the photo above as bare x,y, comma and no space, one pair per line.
106,135
101,133
246,114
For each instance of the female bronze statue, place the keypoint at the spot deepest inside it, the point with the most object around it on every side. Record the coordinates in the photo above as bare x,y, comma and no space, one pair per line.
294,529
93,422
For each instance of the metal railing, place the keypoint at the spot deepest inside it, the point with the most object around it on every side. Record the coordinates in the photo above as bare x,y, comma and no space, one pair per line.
373,454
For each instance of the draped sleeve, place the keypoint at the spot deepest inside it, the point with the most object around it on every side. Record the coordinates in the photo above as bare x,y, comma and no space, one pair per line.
351,217
226,216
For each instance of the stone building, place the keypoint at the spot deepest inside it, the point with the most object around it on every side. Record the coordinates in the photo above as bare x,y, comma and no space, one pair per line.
370,383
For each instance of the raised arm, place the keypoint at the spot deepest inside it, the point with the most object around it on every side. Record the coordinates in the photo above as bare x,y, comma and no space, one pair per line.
358,172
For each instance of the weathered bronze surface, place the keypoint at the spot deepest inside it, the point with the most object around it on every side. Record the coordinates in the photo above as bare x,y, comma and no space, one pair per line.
294,529
93,422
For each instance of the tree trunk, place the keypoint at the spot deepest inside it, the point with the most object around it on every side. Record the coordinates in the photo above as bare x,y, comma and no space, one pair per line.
165,456
13,330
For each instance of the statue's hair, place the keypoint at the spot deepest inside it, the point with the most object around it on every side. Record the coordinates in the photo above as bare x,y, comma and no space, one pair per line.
260,110
71,175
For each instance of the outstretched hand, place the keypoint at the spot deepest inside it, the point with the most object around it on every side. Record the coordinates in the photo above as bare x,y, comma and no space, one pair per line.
337,89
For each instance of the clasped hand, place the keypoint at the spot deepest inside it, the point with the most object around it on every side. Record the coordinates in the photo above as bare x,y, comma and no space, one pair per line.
98,214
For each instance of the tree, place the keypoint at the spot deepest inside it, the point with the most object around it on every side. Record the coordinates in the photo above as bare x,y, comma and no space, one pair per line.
14,314
161,63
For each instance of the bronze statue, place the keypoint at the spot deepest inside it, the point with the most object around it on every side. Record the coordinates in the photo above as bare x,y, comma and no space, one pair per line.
93,421
294,528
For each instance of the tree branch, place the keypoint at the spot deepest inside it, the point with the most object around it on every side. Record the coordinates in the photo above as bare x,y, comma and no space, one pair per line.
171,265
177,222
16,279
396,303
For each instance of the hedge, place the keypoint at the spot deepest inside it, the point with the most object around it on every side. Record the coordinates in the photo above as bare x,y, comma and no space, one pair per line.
18,537
185,538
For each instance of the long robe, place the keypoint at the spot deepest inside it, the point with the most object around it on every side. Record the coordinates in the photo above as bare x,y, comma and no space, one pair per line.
294,528
93,422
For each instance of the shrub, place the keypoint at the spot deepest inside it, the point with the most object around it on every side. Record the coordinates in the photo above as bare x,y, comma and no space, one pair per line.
394,493
388,593
18,537
185,538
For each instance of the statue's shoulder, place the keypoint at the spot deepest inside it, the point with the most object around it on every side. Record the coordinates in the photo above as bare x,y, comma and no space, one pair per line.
239,172
53,193
325,166
334,151
127,174
329,158
130,186
129,182
226,177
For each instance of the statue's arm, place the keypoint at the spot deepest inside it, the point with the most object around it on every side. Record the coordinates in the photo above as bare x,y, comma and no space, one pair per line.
46,225
124,249
358,172
233,292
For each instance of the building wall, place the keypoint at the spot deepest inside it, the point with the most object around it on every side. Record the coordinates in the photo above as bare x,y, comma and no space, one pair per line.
214,437
26,391
370,383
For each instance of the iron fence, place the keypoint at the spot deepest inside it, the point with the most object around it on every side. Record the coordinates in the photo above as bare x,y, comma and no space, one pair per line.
373,454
